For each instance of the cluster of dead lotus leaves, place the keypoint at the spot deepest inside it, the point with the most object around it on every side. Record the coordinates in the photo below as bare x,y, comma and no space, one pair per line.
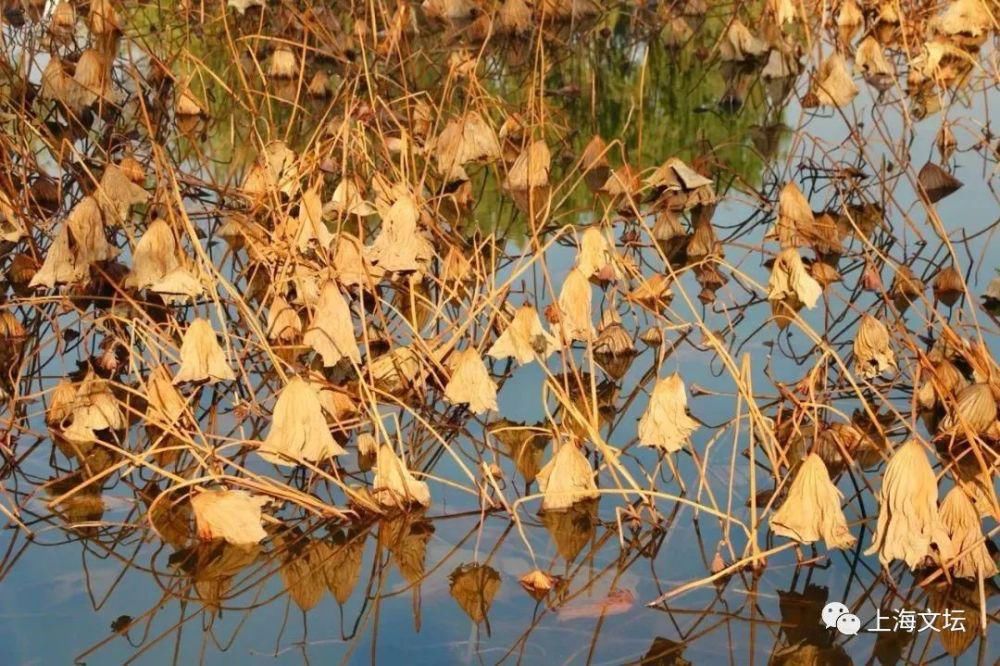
942,58
299,430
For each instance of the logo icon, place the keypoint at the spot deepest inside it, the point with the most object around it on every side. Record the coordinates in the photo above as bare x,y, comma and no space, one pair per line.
849,624
837,615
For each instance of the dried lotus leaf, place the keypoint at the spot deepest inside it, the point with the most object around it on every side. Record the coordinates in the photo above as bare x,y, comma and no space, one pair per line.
394,485
401,246
275,172
463,140
397,370
908,520
679,187
936,183
537,583
811,510
622,182
974,411
949,285
93,74
961,520
470,382
159,265
575,318
833,85
515,17
523,444
795,217
597,257
94,407
284,325
117,193
103,18
849,14
348,200
965,17
80,242
186,105
594,155
331,331
530,169
791,281
164,404
739,44
350,266
298,428
232,515
873,353
309,228
202,359
870,58
283,64
665,424
612,338
566,479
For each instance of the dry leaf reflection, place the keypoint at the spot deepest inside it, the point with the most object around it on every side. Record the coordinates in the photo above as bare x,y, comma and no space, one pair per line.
473,587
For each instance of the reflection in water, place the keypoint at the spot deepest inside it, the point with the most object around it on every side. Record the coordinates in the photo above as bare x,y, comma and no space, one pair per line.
689,140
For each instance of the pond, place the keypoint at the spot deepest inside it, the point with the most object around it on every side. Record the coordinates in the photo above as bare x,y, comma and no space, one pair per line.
499,332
